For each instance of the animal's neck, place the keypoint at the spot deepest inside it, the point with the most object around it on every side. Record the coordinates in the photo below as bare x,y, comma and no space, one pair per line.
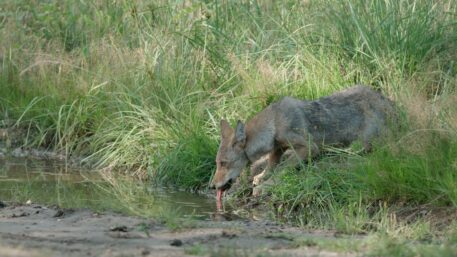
259,137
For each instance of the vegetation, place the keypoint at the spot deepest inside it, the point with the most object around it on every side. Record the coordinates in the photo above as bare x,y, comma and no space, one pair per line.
139,87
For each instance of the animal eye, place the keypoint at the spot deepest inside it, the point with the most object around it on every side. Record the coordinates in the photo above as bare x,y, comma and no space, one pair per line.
223,164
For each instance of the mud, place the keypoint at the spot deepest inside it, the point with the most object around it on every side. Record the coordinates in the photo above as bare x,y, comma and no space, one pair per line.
36,230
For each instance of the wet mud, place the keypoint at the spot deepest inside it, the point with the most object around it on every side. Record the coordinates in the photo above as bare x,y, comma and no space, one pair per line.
37,230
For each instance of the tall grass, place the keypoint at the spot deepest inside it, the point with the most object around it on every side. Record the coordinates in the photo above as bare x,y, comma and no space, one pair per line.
140,87
410,33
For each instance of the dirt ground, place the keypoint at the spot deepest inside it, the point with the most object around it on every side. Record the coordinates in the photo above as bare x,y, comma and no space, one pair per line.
36,230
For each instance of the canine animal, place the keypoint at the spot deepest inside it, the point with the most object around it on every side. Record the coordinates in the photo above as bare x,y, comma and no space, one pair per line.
357,113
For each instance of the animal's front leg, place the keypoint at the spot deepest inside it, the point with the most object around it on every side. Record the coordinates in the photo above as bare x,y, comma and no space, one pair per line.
273,160
298,154
259,177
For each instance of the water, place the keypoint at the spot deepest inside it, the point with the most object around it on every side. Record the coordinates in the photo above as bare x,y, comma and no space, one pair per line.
54,182
28,170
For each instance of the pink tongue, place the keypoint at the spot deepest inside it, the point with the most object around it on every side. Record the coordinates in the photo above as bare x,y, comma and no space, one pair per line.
219,199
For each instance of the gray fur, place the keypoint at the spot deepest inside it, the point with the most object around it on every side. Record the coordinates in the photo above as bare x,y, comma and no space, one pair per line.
240,134
357,113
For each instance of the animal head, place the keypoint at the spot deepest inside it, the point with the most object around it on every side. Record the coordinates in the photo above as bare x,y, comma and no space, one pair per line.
231,158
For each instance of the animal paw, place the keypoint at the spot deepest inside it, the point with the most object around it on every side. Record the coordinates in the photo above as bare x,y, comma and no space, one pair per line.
257,191
258,178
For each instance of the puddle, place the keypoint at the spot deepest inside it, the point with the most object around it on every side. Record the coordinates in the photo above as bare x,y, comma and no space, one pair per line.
54,182
186,203
27,169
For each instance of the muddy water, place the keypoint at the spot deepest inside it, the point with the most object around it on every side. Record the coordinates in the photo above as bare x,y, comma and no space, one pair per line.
54,182
27,169
41,229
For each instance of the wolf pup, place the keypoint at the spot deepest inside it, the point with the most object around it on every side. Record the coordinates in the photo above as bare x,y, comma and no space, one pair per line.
357,113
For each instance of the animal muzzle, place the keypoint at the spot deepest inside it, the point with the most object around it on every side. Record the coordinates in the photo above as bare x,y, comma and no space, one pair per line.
223,186
227,185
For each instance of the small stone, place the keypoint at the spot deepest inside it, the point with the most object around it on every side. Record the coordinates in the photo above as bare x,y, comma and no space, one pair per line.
228,235
119,228
145,252
29,202
176,242
58,214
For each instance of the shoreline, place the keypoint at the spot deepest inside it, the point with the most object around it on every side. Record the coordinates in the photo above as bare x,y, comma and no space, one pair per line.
37,230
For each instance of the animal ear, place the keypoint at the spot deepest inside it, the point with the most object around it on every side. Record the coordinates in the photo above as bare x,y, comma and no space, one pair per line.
226,130
240,134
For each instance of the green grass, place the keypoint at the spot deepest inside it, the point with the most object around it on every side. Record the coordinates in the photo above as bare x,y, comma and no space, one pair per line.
410,33
140,88
356,194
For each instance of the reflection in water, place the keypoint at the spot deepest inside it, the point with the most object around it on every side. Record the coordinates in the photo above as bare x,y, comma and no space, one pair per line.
186,203
25,169
43,179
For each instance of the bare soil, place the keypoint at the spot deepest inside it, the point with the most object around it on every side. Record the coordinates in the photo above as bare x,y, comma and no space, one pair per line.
36,230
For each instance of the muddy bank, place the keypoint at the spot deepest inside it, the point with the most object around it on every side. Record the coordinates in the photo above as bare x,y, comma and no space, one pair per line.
12,145
36,230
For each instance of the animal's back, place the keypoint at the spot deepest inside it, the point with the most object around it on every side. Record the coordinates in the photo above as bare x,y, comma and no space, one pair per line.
355,113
